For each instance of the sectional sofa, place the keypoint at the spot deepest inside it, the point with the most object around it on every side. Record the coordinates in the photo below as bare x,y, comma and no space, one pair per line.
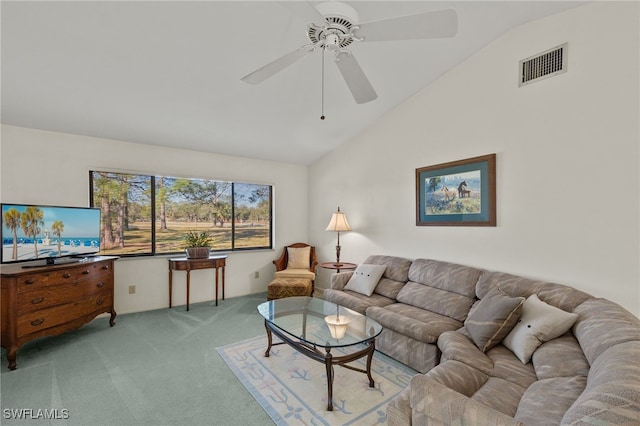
495,348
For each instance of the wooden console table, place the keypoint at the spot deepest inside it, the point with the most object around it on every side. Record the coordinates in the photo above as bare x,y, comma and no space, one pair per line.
186,264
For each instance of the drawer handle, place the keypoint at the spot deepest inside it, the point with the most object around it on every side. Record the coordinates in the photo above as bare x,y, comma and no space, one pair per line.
37,300
29,281
37,322
100,301
100,284
67,275
105,267
85,272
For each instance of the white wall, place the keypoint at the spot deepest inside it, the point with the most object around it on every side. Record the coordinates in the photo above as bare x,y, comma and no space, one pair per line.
41,167
567,161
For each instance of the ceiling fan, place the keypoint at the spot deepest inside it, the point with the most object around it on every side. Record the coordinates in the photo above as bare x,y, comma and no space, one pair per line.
335,26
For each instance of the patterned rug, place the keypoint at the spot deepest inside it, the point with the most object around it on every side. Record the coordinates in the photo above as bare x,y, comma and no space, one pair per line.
292,388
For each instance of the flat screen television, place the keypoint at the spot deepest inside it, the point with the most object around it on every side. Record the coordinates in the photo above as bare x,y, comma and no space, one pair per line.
53,234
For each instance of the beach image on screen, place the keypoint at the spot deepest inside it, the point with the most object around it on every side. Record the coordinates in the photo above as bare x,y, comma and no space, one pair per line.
32,232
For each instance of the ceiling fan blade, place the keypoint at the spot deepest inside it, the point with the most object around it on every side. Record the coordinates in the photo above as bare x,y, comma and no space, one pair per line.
303,9
355,78
262,73
438,24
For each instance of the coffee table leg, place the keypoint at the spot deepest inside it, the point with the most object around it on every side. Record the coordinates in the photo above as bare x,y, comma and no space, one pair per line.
266,354
328,364
369,359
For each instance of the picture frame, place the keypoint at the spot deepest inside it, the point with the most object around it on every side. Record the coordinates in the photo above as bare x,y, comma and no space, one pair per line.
458,193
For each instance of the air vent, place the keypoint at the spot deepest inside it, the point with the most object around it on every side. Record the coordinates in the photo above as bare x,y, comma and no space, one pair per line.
544,65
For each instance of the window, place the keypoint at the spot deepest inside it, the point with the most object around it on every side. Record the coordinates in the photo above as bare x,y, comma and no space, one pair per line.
146,215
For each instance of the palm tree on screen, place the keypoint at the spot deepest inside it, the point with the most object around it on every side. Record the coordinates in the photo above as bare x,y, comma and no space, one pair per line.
32,220
57,227
12,222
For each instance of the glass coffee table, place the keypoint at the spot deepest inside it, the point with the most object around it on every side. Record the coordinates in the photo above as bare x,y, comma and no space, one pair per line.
314,327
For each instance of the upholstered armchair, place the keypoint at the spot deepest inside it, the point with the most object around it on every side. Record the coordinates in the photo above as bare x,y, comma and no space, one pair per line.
295,267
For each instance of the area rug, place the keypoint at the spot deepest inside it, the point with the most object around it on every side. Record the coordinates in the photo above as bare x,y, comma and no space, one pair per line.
292,388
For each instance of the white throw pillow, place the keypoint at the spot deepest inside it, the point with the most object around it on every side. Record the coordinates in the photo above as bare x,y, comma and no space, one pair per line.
365,278
298,257
539,323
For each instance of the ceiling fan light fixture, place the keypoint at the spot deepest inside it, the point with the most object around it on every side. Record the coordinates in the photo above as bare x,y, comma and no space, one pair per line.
340,20
332,42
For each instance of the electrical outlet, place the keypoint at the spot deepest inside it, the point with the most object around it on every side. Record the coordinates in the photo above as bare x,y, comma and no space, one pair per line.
256,274
132,289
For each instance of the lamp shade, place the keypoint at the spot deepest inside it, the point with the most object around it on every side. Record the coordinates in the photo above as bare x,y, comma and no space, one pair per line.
337,325
338,222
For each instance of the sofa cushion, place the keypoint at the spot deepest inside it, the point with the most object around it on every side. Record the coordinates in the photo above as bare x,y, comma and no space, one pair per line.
494,392
500,394
458,376
445,288
443,302
365,278
339,280
395,275
560,357
419,324
435,404
492,318
499,387
445,276
612,395
558,295
397,267
496,362
421,356
389,288
399,408
508,367
539,323
546,401
356,301
457,347
602,324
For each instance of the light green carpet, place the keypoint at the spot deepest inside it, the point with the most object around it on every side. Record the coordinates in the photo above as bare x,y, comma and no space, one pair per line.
152,368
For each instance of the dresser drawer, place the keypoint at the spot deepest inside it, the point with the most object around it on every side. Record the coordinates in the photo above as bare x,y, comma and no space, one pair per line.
53,295
29,282
50,317
98,285
43,279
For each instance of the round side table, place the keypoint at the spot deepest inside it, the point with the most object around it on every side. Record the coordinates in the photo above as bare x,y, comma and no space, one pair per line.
338,266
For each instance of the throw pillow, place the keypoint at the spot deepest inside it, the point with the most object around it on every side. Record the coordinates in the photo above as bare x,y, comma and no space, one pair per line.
539,323
365,278
298,257
493,318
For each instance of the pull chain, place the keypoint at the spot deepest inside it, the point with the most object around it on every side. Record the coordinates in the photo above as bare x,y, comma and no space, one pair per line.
322,94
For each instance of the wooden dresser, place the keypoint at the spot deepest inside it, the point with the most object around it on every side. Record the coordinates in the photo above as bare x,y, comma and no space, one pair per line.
50,300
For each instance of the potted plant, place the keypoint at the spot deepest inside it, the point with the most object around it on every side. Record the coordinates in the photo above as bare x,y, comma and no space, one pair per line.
197,244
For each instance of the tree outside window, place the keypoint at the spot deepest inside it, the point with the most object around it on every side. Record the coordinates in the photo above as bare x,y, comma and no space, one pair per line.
238,215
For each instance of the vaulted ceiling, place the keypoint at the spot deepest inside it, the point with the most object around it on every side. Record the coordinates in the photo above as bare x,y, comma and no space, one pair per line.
168,72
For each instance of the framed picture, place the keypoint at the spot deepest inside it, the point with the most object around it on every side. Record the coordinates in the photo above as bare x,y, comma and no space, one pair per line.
459,193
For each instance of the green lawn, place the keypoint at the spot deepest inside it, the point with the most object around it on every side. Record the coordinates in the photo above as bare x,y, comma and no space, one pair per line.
138,237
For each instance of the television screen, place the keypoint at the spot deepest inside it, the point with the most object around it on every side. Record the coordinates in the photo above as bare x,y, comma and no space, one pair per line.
34,232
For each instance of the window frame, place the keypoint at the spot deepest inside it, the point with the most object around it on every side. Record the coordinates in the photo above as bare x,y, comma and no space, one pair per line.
153,179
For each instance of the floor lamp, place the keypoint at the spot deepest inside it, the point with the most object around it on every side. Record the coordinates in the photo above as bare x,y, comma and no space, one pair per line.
338,224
